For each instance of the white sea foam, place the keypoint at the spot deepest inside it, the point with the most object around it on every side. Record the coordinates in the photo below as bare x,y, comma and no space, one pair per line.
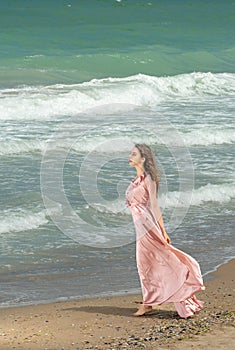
48,102
21,146
21,220
209,136
219,193
17,220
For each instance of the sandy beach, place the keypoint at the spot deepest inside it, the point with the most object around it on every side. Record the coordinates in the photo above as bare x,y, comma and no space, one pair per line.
106,323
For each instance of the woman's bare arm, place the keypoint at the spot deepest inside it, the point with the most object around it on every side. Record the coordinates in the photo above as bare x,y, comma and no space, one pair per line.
151,185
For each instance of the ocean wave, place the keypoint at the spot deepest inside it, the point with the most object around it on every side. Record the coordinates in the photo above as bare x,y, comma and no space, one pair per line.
17,220
21,220
21,147
48,102
217,193
210,136
116,141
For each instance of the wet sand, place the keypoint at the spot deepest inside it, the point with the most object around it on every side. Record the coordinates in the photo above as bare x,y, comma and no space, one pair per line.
107,324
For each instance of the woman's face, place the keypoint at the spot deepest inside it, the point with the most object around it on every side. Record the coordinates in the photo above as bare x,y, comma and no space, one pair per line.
135,158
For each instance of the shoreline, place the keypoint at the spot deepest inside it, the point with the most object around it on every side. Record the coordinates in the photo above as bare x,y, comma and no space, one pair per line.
213,271
105,322
110,294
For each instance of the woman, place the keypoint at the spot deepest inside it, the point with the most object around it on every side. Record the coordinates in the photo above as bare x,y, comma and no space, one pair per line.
166,273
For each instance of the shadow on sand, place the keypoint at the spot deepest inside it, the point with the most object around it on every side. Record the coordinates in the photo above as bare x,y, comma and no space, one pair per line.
123,311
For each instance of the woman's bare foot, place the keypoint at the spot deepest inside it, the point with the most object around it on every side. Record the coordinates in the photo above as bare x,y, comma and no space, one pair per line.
144,309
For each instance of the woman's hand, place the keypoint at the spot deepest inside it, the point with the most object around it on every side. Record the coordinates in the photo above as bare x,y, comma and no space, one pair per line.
165,235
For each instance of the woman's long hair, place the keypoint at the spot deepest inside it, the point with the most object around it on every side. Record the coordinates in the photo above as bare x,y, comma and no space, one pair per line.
149,164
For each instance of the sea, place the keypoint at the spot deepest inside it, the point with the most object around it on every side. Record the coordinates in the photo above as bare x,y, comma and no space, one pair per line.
82,81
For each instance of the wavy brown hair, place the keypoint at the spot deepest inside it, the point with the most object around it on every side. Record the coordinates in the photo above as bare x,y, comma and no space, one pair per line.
149,163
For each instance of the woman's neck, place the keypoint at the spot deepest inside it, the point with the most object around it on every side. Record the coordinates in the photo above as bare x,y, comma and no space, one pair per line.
139,172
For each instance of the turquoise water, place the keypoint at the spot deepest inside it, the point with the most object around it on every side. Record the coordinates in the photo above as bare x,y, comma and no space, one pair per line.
75,41
160,72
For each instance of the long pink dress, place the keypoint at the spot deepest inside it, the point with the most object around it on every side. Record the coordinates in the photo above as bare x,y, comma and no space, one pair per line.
166,273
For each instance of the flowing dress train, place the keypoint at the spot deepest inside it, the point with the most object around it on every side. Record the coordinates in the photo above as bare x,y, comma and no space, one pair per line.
167,275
